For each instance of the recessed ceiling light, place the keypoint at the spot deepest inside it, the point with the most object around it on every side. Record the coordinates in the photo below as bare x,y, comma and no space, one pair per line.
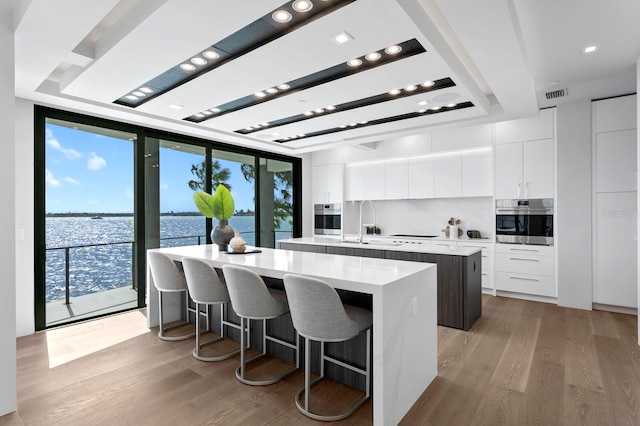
319,111
427,83
132,97
139,93
188,67
281,16
302,5
330,108
271,90
198,61
352,124
363,122
175,106
590,49
422,110
265,124
301,135
207,112
308,113
215,110
146,90
354,62
259,94
392,50
199,115
450,105
423,102
344,126
373,56
210,54
284,86
410,88
435,108
394,92
248,128
342,38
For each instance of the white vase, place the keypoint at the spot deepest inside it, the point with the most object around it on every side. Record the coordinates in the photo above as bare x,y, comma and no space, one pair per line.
453,232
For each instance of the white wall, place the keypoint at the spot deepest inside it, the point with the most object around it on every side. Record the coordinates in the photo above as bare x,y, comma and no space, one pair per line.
424,217
8,394
24,145
573,205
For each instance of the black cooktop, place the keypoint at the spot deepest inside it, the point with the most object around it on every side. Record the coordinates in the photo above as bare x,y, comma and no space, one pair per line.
413,236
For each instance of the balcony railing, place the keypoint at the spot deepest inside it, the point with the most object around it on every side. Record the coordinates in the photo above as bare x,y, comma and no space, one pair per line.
199,238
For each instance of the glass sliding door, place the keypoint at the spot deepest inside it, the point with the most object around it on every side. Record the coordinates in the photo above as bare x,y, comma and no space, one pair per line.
89,221
276,201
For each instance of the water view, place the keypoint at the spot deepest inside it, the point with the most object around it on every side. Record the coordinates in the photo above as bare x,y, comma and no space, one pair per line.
99,251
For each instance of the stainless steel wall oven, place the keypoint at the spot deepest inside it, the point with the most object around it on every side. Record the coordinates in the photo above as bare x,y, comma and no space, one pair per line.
327,219
525,221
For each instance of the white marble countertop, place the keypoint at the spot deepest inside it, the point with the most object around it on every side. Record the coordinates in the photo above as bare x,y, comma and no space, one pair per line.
386,243
346,272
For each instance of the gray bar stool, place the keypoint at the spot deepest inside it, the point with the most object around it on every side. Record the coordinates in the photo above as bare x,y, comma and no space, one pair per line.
251,299
167,278
205,288
319,314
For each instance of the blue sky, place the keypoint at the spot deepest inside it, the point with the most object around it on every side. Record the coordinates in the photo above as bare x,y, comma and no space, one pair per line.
86,172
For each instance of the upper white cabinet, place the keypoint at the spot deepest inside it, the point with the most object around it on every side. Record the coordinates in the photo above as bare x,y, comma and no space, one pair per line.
616,168
461,138
525,170
525,129
447,175
328,183
420,177
477,173
365,181
396,182
615,114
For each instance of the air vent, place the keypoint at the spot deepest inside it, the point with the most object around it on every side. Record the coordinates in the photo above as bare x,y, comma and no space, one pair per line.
557,93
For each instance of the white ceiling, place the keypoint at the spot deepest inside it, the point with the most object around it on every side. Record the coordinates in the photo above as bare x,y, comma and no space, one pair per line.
503,56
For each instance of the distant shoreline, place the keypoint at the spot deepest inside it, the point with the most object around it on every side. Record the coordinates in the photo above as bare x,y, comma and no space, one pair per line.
131,214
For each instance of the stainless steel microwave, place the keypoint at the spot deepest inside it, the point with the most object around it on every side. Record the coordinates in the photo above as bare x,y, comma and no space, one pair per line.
327,219
525,221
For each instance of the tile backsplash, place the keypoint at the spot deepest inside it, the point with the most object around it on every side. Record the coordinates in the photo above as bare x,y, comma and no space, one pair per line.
423,217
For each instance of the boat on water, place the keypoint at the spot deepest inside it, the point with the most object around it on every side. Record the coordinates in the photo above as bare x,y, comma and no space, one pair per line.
97,217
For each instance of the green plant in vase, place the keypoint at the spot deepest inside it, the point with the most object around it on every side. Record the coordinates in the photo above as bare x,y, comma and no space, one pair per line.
221,206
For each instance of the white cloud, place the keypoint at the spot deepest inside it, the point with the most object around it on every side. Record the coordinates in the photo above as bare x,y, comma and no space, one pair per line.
49,179
69,179
70,153
96,162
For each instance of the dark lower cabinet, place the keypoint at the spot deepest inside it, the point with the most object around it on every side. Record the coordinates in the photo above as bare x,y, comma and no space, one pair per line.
459,279
459,286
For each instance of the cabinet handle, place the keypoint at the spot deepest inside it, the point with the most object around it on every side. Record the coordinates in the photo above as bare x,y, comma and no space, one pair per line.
524,249
484,255
482,247
523,258
484,273
523,278
519,188
446,245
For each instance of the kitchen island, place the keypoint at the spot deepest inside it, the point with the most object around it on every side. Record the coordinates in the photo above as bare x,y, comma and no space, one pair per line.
459,298
403,304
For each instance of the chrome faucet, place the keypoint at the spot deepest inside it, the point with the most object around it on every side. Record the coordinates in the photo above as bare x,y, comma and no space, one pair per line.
373,209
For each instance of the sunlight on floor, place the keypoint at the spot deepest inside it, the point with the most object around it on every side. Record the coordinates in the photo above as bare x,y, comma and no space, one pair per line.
92,336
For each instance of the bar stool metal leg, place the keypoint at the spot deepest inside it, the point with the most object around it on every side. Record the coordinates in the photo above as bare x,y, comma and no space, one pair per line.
163,329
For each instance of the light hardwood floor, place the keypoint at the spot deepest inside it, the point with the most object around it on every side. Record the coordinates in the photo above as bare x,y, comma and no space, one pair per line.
523,363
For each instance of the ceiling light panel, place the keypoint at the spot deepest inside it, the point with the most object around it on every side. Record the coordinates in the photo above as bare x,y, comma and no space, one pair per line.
358,103
377,121
409,48
245,40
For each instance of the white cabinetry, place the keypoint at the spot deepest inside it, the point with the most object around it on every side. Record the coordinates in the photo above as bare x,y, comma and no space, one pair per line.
525,129
487,260
447,175
616,169
365,181
525,269
396,182
420,177
525,170
328,183
477,173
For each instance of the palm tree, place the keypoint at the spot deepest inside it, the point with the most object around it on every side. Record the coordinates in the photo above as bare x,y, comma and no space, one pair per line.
218,175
